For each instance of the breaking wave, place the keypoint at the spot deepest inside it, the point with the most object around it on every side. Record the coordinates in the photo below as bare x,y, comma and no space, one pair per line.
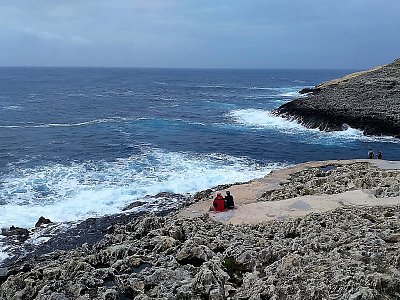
266,120
79,191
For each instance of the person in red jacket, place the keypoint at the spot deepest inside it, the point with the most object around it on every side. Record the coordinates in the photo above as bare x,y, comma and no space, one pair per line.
219,203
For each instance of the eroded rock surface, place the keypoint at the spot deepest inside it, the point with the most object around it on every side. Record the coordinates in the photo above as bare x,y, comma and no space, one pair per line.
350,253
338,179
368,100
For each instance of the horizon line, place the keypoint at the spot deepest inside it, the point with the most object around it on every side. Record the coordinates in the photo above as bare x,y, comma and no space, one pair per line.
179,68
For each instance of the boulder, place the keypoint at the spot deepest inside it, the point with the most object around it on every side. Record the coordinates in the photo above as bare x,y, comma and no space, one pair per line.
42,221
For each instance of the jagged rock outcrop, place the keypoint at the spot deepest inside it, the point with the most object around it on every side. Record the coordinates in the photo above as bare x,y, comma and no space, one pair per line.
350,253
42,221
368,100
338,179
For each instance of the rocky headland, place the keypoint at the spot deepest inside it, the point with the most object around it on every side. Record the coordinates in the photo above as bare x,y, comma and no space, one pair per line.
349,250
368,100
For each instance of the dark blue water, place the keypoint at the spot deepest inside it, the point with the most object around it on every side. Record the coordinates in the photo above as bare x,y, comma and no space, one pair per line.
80,142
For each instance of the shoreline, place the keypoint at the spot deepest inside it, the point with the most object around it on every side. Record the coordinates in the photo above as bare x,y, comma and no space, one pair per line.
319,204
249,209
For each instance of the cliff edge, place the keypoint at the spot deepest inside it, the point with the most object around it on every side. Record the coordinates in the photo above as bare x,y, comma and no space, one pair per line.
367,100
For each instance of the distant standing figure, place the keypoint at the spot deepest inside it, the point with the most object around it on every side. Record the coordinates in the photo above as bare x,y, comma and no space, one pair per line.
379,155
229,200
371,154
219,203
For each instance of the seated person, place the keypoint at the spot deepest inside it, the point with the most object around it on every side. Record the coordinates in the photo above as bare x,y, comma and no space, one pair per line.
219,203
379,155
371,154
229,200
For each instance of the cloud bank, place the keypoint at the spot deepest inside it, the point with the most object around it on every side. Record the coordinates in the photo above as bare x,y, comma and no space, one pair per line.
211,34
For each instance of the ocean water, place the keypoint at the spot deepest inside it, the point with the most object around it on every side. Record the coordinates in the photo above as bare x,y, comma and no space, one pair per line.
77,143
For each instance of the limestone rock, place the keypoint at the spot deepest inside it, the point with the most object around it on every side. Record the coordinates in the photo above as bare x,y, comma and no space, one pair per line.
349,253
378,182
368,100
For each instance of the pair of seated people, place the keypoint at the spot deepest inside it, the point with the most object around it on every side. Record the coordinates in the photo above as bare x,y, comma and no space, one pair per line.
220,203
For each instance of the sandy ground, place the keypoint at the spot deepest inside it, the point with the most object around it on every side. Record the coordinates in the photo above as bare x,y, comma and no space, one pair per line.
248,210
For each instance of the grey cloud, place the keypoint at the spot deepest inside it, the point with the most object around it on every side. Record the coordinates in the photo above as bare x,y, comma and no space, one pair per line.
162,33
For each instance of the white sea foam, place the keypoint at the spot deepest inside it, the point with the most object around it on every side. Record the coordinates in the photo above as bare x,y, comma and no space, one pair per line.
104,93
353,134
264,119
77,95
287,92
189,122
211,86
280,91
283,91
85,123
78,191
260,88
3,252
13,107
290,94
258,118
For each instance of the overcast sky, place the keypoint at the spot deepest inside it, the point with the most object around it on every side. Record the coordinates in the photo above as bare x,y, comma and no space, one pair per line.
350,34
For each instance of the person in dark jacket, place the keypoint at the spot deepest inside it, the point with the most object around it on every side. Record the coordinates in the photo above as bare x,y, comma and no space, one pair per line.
371,154
379,155
219,203
229,200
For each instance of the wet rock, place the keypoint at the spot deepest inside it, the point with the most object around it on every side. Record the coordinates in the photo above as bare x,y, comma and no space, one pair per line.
309,90
203,194
42,221
3,274
133,205
21,233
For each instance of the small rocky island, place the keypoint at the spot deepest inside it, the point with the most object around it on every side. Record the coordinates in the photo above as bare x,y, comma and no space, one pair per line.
368,100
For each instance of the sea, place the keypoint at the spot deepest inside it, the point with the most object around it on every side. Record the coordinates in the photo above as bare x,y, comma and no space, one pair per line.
85,142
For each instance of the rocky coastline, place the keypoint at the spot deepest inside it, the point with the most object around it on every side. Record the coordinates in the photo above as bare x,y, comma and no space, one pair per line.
47,237
368,100
351,252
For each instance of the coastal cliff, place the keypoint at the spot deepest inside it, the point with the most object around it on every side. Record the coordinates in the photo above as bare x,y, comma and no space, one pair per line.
367,100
